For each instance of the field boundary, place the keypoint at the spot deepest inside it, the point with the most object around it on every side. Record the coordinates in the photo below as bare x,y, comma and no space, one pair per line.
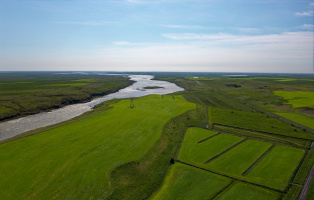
278,140
221,192
220,154
263,132
207,138
307,185
273,115
256,184
258,160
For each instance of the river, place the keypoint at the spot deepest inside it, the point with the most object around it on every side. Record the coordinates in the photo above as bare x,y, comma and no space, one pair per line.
17,126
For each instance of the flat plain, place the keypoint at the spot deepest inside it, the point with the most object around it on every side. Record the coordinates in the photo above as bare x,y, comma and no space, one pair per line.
221,138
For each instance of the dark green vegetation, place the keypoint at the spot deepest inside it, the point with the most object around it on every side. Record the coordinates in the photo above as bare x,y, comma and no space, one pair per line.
227,146
29,93
152,87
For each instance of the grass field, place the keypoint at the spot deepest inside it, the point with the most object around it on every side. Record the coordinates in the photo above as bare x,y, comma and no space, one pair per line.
277,167
299,118
243,191
29,93
75,161
197,153
279,139
240,158
256,121
185,182
298,98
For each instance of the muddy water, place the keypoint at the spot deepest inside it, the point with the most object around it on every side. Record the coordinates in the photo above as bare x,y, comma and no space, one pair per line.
17,126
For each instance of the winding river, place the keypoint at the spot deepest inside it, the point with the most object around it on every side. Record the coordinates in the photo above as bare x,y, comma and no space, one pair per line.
17,126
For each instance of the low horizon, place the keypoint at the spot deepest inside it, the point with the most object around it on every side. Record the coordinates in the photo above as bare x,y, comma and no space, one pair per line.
164,35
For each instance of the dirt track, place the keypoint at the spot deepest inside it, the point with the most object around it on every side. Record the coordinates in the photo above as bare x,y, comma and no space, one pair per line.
307,184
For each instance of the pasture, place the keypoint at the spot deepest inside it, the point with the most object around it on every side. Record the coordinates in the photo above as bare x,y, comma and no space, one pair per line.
240,158
256,121
198,153
277,167
297,99
74,161
185,182
299,118
240,191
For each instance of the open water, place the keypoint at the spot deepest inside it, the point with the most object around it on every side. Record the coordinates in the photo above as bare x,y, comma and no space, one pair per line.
17,126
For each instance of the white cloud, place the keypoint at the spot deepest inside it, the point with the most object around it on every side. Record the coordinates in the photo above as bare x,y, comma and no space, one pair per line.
307,26
188,26
86,23
121,43
311,4
230,39
249,30
305,14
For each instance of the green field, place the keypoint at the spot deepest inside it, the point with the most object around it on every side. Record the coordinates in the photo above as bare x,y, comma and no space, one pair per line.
243,191
256,121
75,161
201,144
299,118
197,153
28,93
240,158
298,98
185,182
277,167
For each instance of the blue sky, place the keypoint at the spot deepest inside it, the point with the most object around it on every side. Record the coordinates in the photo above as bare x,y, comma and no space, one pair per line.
160,35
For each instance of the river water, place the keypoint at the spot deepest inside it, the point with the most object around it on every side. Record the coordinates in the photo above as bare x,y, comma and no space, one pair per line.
17,126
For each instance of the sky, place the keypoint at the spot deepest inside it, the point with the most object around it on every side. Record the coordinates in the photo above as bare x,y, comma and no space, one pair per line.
157,35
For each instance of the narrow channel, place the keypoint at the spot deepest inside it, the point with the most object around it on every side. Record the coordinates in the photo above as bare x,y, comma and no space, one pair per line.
14,127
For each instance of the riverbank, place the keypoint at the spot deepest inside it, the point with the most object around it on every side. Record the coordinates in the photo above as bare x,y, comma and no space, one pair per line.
23,94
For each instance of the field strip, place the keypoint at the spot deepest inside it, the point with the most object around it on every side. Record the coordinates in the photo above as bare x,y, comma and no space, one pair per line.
307,185
207,138
206,162
223,190
280,141
256,184
268,133
285,120
258,160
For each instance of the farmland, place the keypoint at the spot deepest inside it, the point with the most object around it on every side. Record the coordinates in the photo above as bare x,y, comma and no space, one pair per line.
85,152
202,185
211,141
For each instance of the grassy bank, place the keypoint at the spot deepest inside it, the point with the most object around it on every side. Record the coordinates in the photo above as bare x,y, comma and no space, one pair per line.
28,93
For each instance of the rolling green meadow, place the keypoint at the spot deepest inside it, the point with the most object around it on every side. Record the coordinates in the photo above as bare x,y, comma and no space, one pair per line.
75,161
221,138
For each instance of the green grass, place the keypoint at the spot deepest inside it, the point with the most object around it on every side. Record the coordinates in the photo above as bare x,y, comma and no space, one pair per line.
28,93
240,158
293,193
298,98
184,182
75,161
310,195
299,118
276,169
256,121
141,178
243,191
305,167
278,139
197,153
